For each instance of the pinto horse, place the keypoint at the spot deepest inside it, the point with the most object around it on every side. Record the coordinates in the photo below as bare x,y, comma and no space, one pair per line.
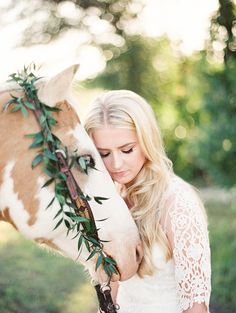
23,200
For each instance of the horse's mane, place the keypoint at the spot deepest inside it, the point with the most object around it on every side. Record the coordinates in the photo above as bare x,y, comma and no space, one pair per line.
13,86
9,86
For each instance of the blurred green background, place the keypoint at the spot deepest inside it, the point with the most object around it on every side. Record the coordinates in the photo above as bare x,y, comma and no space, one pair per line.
194,97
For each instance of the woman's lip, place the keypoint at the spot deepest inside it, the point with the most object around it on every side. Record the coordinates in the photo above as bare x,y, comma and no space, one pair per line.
119,173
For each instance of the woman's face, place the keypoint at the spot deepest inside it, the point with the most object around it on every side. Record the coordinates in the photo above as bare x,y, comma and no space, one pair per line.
120,151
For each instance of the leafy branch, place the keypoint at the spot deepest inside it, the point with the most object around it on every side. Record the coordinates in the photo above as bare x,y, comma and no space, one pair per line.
48,144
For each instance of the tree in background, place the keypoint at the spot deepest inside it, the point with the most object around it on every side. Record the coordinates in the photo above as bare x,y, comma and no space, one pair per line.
46,20
150,67
171,84
217,148
194,99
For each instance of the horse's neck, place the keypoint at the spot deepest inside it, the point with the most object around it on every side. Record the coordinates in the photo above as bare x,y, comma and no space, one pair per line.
16,174
17,179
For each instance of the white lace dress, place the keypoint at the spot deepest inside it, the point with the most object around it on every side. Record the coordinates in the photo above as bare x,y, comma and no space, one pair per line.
183,280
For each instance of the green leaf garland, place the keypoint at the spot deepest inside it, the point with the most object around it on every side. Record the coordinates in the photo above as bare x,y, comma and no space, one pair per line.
48,143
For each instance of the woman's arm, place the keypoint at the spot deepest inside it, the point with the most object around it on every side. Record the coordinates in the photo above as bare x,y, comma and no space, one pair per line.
197,308
186,229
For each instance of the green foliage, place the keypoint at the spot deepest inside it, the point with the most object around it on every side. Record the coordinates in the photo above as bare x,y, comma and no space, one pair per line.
222,230
194,100
53,21
172,84
218,144
31,280
131,67
68,213
222,29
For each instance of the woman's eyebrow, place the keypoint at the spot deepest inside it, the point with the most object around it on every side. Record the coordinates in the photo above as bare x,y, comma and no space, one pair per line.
121,147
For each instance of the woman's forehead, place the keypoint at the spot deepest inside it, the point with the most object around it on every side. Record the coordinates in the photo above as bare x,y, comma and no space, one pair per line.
113,137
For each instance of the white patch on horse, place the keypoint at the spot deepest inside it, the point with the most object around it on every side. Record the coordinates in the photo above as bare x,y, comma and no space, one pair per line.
39,223
105,211
16,208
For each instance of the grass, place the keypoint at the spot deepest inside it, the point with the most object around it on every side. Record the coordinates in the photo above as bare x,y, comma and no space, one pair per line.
33,280
222,227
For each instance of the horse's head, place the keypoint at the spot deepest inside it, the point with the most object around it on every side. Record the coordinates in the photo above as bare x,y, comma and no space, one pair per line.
23,200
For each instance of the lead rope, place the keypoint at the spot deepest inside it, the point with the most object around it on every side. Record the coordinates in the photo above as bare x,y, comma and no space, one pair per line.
105,300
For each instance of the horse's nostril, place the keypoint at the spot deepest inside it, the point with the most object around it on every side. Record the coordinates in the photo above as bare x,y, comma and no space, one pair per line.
139,253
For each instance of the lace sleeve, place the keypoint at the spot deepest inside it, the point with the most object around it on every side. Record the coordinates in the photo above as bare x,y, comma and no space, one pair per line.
186,229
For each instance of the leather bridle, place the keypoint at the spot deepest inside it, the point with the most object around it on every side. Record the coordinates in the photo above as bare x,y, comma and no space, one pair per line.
103,292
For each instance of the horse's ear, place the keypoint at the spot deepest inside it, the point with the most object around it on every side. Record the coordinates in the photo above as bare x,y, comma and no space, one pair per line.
56,88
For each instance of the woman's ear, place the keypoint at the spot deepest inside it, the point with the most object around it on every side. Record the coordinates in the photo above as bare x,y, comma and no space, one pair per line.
56,88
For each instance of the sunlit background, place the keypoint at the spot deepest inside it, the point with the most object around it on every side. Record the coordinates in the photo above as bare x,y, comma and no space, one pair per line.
155,18
178,54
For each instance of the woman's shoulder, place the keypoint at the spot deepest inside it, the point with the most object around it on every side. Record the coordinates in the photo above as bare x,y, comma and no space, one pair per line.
177,187
182,203
177,181
181,195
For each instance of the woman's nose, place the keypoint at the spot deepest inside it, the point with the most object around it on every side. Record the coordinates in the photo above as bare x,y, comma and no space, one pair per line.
117,161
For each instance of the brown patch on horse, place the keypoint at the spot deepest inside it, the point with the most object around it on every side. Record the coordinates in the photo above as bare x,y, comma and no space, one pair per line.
69,119
6,217
2,218
15,147
47,242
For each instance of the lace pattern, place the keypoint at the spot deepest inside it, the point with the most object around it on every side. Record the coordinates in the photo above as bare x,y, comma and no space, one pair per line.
191,252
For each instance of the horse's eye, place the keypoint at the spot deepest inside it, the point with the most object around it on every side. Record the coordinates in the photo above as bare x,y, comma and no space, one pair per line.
85,162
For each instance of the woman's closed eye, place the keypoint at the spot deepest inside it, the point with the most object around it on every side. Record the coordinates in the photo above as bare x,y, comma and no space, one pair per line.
104,155
128,151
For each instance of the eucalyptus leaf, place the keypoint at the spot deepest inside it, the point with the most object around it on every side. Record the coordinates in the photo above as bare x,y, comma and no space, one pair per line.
29,105
48,182
60,198
67,223
38,159
100,199
58,213
80,241
82,163
87,244
99,261
50,203
58,224
24,111
34,135
50,155
91,255
48,143
16,108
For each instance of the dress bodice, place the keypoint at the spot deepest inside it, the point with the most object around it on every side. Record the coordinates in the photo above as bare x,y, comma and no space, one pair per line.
150,294
185,278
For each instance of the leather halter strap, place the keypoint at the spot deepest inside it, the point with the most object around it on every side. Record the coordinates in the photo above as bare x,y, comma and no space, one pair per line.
83,207
106,304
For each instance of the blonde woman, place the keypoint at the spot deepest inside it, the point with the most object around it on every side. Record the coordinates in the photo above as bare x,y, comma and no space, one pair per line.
174,275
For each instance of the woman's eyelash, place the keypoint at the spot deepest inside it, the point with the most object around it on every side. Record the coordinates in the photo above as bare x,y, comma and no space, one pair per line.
103,155
128,151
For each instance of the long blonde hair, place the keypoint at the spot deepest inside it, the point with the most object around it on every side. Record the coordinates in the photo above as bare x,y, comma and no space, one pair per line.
126,109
